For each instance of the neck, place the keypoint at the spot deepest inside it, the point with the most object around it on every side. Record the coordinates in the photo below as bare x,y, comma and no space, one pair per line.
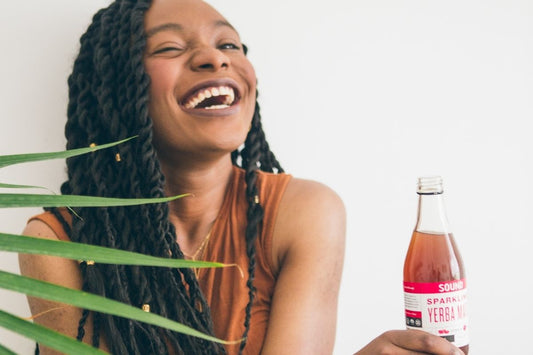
194,215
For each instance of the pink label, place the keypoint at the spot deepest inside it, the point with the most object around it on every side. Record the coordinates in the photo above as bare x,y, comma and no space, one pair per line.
438,308
434,287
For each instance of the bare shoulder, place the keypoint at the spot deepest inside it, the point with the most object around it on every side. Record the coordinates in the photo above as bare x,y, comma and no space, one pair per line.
48,268
311,215
312,196
37,228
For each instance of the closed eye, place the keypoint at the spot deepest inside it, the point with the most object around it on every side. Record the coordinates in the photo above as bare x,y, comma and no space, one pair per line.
167,50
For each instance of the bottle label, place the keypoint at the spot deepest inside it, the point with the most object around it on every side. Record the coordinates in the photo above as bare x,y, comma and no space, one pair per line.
438,308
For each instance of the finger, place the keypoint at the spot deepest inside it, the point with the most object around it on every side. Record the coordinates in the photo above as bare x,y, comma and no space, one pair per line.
423,342
381,345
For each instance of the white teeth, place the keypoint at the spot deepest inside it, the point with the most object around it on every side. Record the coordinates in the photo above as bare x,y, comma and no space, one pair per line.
216,107
212,92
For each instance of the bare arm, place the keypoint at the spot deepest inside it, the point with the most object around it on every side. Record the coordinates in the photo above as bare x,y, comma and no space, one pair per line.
308,252
60,317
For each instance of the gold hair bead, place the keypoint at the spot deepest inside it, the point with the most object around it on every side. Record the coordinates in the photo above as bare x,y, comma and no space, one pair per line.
256,199
117,157
146,307
88,262
199,306
92,145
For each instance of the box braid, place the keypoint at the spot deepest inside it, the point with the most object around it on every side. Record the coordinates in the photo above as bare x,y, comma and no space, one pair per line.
108,101
255,155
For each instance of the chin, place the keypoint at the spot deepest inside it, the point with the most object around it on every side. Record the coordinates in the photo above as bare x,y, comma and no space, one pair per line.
230,145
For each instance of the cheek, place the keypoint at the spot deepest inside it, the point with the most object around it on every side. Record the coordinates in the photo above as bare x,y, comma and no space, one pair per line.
160,87
160,81
249,75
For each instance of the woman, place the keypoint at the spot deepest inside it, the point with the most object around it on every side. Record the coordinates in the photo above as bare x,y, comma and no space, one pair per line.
175,74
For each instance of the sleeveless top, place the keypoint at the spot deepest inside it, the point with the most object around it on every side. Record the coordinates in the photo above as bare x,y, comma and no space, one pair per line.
225,288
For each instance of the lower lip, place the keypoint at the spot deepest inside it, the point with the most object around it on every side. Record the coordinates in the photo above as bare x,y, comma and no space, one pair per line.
221,112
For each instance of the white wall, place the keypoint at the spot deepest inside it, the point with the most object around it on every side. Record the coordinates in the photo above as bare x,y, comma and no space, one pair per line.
364,96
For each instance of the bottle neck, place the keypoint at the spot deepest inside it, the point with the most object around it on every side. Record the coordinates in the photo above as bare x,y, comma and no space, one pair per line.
432,214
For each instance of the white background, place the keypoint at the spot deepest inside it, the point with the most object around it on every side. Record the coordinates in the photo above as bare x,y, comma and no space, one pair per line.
364,96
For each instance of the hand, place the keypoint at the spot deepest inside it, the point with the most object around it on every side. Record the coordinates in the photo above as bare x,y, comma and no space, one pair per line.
400,342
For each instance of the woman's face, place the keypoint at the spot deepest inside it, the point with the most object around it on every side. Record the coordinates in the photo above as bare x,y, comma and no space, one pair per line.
202,92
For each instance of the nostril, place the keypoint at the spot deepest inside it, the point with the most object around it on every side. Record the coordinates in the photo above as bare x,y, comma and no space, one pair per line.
212,66
206,66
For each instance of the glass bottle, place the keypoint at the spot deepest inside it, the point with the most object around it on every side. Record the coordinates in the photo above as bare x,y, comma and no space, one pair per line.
433,275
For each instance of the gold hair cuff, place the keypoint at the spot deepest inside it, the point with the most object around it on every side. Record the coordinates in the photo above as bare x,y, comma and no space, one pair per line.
146,307
117,157
92,145
256,199
88,262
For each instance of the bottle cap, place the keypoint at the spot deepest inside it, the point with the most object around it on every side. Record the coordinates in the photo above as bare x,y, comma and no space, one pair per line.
429,185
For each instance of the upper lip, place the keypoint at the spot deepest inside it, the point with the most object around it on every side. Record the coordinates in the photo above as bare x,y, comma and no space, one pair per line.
212,83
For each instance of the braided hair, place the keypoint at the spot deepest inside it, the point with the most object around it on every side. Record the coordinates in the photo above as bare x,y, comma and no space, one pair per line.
108,101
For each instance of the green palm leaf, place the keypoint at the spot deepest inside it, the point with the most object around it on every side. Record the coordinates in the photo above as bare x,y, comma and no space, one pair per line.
13,186
6,160
44,336
41,200
49,291
80,251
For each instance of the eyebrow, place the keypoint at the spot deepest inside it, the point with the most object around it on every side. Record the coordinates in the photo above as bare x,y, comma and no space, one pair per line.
176,27
164,27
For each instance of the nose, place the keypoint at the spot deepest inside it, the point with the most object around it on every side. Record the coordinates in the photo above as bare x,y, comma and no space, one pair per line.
207,58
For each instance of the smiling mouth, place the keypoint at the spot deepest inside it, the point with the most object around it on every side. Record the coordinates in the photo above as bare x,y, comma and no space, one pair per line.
211,98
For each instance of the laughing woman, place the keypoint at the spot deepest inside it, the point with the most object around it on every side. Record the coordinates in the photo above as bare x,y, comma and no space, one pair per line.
175,74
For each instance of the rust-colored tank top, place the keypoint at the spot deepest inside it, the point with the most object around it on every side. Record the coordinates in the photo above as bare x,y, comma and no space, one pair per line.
225,289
